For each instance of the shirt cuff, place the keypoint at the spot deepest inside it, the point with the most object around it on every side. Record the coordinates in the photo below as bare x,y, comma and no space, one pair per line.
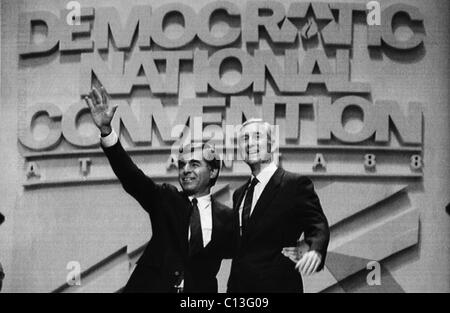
109,140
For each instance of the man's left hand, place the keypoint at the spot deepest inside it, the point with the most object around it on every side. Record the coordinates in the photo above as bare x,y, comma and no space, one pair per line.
309,263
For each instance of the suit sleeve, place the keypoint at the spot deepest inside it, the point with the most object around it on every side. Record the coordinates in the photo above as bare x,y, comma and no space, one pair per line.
227,217
133,180
235,227
315,224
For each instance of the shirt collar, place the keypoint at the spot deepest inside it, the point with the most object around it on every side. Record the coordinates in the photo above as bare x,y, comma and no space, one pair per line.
203,200
266,174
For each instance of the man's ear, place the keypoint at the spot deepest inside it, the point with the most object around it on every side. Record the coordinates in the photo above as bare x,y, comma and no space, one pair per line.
273,146
213,173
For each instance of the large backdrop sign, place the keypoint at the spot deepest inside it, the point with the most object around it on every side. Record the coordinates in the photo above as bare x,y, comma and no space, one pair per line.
174,67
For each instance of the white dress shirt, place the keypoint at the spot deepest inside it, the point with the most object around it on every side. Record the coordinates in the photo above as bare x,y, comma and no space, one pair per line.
263,179
204,203
110,140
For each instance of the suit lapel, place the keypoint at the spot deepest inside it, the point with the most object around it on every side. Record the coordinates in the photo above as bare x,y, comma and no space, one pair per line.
183,224
268,194
216,223
240,197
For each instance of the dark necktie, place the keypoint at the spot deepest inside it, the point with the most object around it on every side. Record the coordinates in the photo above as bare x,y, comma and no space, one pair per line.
248,203
196,240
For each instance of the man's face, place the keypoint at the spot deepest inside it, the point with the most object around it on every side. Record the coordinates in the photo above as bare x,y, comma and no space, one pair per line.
254,143
194,174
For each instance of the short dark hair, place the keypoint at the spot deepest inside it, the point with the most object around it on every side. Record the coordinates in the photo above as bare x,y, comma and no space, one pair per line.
209,154
2,218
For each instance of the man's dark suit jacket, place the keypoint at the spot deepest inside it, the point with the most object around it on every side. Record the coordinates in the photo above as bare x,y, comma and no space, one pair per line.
166,259
287,208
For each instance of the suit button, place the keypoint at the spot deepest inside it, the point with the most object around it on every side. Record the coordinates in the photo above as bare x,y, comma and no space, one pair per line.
177,273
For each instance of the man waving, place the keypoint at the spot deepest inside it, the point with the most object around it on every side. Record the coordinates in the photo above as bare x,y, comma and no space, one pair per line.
190,229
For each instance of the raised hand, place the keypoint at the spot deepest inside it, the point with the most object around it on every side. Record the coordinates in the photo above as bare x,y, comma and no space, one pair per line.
102,113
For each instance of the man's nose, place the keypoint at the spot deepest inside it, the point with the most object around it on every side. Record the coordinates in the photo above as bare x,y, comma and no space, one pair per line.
186,168
252,142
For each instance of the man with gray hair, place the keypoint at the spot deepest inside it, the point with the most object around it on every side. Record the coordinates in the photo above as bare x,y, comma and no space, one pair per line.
273,209
191,231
